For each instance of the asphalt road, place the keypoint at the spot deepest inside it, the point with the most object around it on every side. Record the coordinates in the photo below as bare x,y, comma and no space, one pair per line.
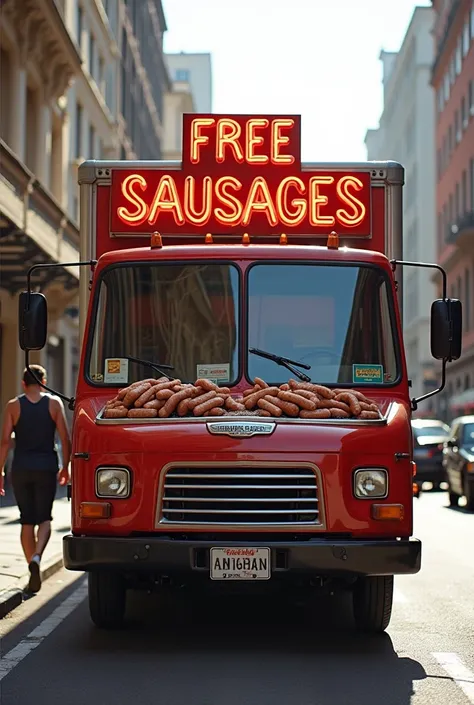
259,652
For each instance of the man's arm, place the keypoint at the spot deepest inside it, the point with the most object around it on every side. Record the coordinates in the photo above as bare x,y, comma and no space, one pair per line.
59,418
7,431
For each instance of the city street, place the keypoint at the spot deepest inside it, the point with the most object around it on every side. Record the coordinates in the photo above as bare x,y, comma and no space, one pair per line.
238,652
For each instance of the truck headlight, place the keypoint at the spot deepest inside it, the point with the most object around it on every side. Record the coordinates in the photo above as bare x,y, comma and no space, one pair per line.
112,482
370,483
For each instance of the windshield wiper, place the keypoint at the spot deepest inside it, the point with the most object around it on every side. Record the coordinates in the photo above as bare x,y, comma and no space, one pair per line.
284,362
154,366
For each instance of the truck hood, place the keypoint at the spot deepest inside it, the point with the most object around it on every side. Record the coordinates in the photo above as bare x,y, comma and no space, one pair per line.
192,436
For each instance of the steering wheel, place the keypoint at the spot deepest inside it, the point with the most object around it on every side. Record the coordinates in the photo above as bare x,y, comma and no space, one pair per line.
322,352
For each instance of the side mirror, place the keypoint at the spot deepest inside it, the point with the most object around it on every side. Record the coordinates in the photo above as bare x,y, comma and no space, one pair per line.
446,329
32,321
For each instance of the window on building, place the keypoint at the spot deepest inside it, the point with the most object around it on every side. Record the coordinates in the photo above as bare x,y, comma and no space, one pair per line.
79,25
447,87
464,192
466,38
457,127
92,154
450,210
452,71
79,118
458,57
464,117
182,75
471,97
458,202
450,141
92,48
467,299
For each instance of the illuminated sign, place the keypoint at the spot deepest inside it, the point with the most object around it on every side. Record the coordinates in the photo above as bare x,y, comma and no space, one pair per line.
240,173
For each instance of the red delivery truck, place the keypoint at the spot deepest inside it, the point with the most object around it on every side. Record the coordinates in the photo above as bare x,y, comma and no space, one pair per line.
242,413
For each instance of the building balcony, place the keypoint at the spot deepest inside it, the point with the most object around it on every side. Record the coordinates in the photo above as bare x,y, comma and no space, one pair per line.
34,229
444,38
461,233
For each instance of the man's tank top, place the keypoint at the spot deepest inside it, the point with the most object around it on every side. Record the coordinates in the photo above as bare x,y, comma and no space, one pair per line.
34,437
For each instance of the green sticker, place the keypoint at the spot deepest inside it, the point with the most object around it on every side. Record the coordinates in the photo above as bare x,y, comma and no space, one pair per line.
367,374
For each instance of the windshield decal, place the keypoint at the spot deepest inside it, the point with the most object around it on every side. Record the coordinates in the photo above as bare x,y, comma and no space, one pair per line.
214,373
367,374
116,370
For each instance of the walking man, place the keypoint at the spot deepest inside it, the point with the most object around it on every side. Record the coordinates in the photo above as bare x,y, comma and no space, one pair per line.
35,417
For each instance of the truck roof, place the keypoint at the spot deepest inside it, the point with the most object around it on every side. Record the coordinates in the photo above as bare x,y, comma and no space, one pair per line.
244,252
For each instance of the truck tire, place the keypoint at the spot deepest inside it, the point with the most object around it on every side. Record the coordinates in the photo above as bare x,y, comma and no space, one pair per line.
469,494
372,603
107,598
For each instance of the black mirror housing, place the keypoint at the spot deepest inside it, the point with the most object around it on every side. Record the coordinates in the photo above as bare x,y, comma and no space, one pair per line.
446,329
32,320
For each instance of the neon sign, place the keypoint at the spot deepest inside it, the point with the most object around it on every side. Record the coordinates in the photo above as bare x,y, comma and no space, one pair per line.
240,173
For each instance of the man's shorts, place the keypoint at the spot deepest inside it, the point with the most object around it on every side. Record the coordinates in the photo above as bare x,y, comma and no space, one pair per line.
34,491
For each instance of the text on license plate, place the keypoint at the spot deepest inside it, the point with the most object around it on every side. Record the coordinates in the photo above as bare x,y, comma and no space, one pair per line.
240,563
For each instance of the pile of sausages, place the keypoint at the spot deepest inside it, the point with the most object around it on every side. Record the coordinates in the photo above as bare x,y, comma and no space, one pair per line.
165,398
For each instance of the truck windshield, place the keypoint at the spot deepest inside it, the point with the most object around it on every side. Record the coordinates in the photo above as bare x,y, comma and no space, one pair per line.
336,318
185,315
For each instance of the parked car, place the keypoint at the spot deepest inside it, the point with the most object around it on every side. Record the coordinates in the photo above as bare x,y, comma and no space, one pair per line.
458,461
429,436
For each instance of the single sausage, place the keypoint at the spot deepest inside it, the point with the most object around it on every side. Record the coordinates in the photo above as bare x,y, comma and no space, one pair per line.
333,404
252,390
339,413
316,414
352,401
119,412
369,415
324,392
233,405
268,406
308,395
365,406
286,406
154,404
164,394
208,405
206,384
173,402
252,399
201,399
113,404
260,382
142,413
146,396
295,398
216,411
167,385
285,387
134,393
359,395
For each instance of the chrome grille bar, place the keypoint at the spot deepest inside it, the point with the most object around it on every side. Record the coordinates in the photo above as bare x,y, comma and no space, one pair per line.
235,495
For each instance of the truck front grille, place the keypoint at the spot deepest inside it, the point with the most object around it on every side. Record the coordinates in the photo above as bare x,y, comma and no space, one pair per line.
240,495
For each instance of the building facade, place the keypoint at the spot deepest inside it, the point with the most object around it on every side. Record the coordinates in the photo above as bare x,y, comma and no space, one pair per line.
144,79
195,70
453,83
406,134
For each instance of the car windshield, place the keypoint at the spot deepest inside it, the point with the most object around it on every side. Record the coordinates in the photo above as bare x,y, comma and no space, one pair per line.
468,435
185,315
335,318
438,430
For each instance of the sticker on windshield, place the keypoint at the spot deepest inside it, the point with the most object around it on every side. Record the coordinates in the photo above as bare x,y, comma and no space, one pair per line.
367,374
116,370
215,373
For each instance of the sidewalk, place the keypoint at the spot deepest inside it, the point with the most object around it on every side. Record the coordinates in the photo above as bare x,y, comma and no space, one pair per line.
14,572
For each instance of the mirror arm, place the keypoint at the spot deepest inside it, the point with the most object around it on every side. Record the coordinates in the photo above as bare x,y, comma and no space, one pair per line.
91,263
416,400
395,262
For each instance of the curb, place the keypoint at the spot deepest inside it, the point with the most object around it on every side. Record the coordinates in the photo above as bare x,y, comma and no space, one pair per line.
11,598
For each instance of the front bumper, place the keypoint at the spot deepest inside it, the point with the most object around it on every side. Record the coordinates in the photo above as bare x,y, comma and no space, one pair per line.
312,557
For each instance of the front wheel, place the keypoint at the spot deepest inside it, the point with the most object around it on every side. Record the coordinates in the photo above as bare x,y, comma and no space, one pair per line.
372,601
107,598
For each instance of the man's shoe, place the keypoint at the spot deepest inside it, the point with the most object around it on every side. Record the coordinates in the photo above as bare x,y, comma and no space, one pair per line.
34,584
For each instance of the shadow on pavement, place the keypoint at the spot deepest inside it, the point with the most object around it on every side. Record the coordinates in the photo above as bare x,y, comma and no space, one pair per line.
236,650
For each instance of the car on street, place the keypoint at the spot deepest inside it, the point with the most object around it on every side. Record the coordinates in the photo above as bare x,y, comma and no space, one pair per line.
429,436
458,461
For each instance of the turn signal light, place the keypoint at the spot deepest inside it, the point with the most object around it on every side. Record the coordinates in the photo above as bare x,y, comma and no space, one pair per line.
245,239
413,468
156,240
333,241
388,512
95,510
208,239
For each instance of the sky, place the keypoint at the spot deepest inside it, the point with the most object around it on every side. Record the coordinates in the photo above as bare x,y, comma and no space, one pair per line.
314,58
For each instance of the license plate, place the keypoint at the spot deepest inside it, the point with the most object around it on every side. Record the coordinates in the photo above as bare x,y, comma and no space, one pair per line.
240,563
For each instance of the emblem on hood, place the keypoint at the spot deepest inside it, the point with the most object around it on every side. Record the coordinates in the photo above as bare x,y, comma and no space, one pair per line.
240,429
